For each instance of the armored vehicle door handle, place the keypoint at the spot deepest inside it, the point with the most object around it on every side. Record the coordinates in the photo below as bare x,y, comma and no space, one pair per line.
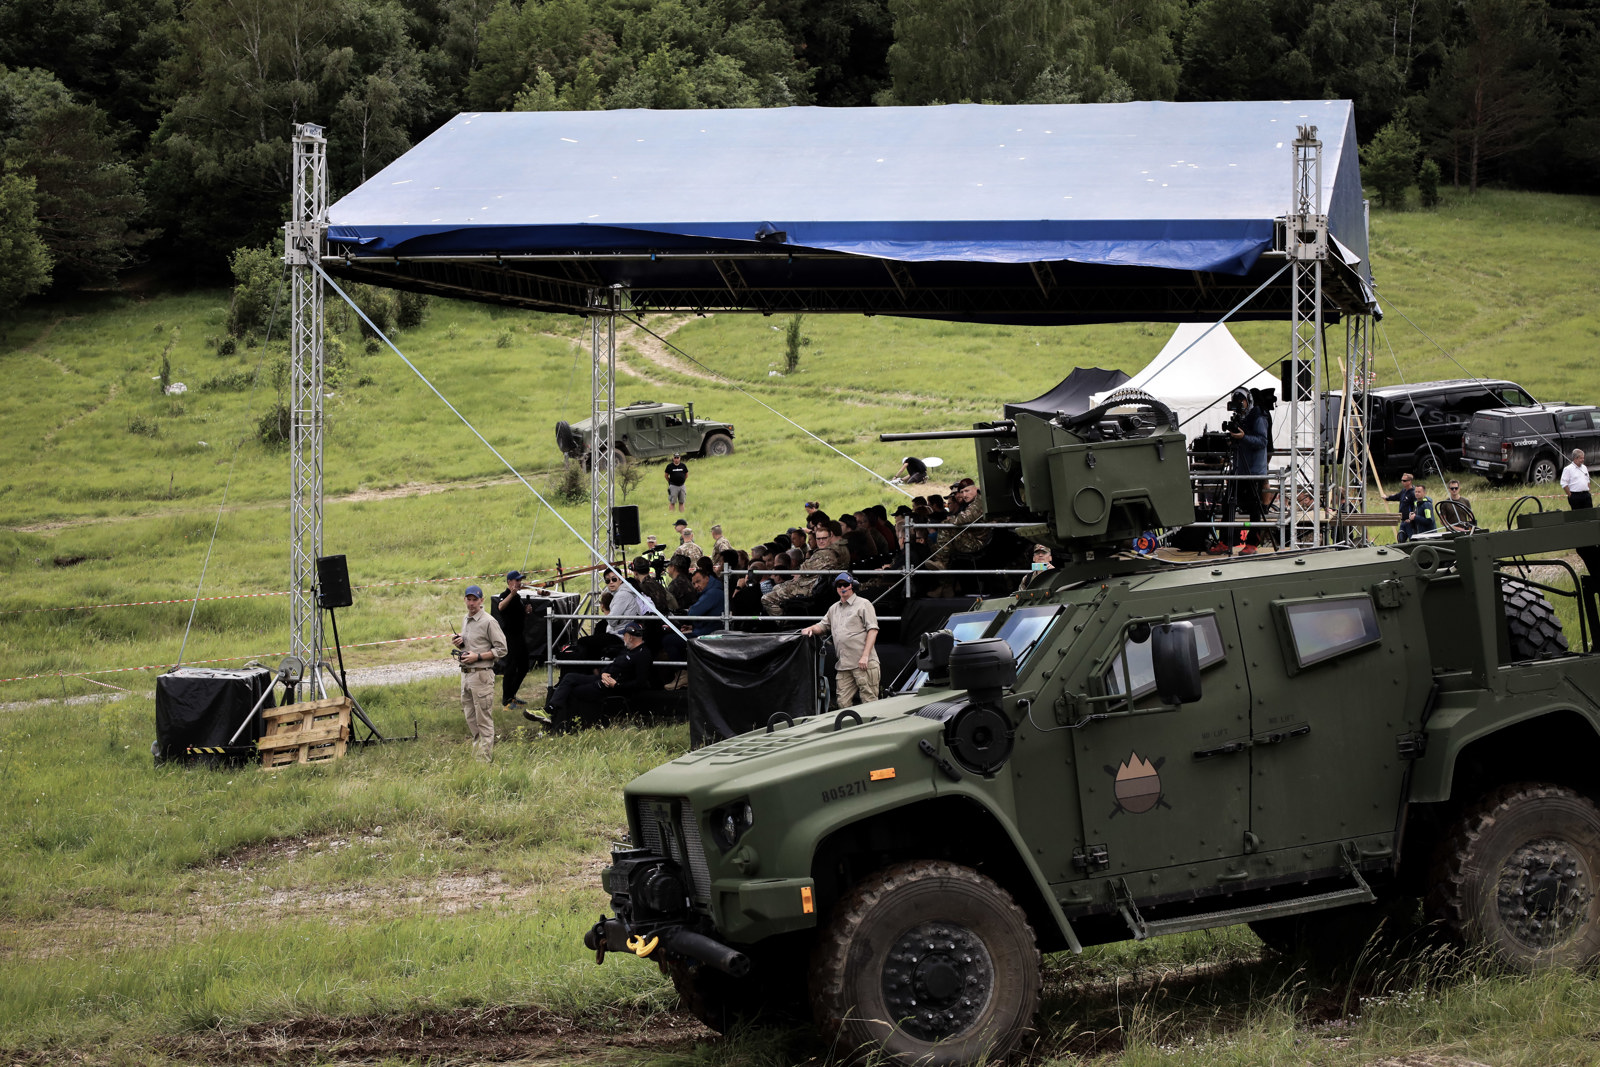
1277,737
1222,750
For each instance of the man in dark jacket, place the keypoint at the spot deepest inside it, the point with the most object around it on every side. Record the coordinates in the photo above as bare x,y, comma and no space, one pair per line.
511,610
577,700
1252,445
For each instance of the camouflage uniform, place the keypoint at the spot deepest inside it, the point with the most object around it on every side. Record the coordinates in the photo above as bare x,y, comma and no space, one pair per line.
831,558
960,542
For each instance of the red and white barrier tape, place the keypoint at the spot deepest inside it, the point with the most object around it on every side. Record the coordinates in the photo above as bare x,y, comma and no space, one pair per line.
225,659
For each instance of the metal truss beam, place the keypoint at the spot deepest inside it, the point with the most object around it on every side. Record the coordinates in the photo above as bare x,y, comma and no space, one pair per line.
303,238
1350,494
604,305
1306,242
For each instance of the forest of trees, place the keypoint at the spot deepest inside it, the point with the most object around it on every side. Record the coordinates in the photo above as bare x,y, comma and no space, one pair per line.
157,131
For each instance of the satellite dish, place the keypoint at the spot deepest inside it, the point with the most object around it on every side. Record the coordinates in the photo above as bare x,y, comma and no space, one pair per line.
933,461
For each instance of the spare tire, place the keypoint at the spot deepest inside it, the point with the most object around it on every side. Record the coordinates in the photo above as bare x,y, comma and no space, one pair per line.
567,440
1532,627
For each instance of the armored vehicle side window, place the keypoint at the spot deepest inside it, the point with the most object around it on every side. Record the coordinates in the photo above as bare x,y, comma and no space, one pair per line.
1207,638
1323,629
672,420
645,422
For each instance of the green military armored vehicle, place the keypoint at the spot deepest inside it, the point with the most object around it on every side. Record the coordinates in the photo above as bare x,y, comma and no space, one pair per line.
649,430
1305,742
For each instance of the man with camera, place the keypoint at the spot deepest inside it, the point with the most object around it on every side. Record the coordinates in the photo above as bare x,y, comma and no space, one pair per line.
1251,434
477,646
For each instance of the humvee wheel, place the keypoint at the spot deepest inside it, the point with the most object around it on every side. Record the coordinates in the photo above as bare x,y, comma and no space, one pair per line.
929,963
719,444
1518,878
1531,623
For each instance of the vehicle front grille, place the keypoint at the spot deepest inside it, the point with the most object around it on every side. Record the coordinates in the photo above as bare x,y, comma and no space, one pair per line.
660,837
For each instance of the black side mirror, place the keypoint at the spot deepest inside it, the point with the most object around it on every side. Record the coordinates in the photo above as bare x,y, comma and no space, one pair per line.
1175,655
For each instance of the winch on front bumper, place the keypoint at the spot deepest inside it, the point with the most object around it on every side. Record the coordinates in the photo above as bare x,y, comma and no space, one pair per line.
654,911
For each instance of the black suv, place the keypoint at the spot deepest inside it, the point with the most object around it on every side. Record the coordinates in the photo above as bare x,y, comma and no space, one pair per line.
1530,444
1418,427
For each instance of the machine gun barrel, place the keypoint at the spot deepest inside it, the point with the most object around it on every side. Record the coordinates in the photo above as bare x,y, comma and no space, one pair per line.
999,429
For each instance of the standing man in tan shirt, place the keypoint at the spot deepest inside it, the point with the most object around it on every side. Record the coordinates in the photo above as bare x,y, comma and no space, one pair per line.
854,625
480,642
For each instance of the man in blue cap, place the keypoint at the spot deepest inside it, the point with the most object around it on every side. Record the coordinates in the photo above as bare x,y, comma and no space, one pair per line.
480,643
854,625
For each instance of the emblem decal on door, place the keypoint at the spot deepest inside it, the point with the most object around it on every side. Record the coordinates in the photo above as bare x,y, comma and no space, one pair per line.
1138,784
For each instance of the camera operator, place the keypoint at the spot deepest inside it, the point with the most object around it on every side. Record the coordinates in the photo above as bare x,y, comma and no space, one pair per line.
1251,435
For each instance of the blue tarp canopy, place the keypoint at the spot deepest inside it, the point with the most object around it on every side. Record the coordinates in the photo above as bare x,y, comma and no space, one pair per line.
1024,213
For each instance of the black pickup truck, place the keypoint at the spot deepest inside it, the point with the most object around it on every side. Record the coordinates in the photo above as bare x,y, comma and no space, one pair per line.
1529,443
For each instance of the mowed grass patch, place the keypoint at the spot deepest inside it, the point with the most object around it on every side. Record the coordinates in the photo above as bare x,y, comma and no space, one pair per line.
173,898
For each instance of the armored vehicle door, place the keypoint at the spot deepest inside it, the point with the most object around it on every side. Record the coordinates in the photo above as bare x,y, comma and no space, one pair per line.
644,435
1148,798
1330,682
678,434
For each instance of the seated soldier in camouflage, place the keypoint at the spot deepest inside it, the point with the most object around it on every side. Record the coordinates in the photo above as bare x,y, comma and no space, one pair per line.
830,557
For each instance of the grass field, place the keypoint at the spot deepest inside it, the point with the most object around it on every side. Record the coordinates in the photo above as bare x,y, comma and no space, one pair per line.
199,916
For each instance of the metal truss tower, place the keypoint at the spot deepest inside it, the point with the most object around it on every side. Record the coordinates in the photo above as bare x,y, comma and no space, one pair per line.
604,304
1306,242
302,248
1351,493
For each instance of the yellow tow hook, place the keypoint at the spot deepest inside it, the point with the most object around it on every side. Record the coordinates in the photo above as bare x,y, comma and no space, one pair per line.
640,947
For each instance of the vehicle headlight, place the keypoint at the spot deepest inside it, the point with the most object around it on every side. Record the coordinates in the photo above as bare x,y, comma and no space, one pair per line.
731,822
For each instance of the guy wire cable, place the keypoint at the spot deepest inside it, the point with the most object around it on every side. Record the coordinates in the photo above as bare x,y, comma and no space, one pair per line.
594,554
1451,357
255,380
769,407
1233,311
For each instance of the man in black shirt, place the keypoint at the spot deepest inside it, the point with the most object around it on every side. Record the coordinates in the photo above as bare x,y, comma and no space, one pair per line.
577,699
676,475
510,610
915,471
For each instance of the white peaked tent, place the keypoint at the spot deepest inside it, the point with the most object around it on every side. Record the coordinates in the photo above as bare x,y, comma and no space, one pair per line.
1194,375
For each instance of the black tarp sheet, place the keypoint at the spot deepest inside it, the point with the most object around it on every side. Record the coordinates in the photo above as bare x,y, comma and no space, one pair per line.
1071,396
738,681
200,707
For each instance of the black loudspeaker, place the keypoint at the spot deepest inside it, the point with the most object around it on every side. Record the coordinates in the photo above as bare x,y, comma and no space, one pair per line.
333,582
1286,381
625,525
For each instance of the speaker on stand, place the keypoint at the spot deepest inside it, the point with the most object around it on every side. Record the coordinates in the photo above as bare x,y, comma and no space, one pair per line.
333,591
625,525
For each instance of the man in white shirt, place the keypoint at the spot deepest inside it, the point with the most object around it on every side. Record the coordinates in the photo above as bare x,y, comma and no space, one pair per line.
1575,480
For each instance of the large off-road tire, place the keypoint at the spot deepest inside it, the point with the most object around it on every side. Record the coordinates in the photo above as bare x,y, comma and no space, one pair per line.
719,444
1544,471
1338,937
774,991
929,963
566,439
1518,878
1531,623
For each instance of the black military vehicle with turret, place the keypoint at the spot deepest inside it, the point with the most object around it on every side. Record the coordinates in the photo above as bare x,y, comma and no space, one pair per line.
1306,742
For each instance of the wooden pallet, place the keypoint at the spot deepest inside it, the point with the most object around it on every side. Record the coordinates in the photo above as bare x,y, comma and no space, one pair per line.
313,732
